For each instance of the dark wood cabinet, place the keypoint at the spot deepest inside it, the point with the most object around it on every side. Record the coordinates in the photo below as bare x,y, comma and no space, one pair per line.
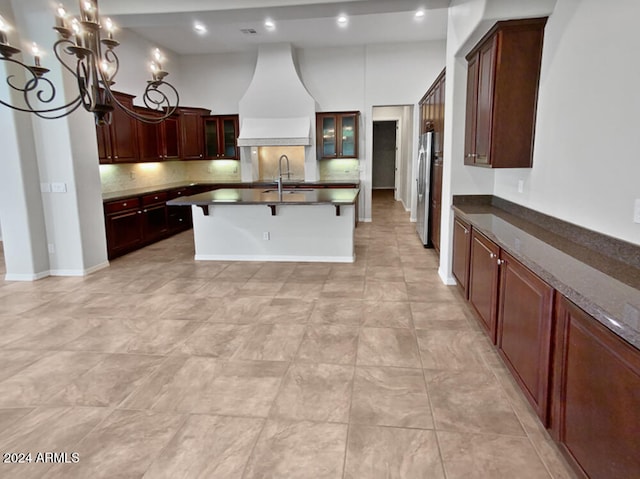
337,134
461,253
483,281
154,217
192,132
157,141
118,140
221,137
179,217
595,414
435,197
502,91
525,316
123,223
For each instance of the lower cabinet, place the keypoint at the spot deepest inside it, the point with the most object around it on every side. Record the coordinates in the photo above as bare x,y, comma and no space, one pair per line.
595,413
524,330
154,217
461,251
124,227
483,281
179,217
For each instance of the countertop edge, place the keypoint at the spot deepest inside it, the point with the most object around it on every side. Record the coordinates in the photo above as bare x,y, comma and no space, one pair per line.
599,313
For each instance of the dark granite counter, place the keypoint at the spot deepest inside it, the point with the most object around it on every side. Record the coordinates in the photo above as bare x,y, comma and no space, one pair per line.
605,287
270,195
118,195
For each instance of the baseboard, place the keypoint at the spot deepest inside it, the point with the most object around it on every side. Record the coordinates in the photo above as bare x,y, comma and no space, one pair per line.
447,279
78,272
364,220
26,277
281,258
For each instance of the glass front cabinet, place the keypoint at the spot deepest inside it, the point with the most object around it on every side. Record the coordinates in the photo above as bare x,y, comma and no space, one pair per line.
221,135
337,134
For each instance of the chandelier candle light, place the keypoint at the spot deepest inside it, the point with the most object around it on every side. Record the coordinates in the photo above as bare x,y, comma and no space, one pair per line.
93,70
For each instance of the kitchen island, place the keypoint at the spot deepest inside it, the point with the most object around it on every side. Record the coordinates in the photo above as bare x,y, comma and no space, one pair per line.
249,224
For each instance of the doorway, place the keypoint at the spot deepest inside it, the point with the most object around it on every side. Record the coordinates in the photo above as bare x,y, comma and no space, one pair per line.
384,155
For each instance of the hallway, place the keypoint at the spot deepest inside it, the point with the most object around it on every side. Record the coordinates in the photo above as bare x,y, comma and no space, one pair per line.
160,366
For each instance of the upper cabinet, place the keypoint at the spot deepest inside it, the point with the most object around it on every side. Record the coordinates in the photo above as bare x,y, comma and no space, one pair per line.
118,141
337,134
432,113
158,141
192,132
221,137
502,92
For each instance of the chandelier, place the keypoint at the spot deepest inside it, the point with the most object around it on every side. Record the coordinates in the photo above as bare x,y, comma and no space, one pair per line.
93,62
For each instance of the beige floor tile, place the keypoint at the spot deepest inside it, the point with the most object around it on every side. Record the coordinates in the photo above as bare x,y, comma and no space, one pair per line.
347,272
182,286
274,272
53,334
39,381
260,288
388,347
470,401
329,343
109,382
318,392
298,450
429,292
124,445
134,336
352,289
239,271
14,361
267,342
381,452
314,273
241,310
223,289
48,429
185,307
385,291
450,349
208,447
9,418
286,311
390,397
384,273
387,314
482,455
210,386
343,312
297,289
440,315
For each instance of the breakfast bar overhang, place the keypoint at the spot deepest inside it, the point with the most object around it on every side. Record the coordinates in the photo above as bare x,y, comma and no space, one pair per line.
245,224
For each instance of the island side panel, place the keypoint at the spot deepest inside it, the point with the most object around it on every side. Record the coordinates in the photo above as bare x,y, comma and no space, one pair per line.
296,233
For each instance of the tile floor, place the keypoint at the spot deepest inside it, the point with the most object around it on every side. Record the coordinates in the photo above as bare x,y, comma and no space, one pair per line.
161,367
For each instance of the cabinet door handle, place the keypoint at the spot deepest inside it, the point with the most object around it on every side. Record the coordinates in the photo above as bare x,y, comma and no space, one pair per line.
501,262
144,211
116,157
139,212
466,231
492,256
124,204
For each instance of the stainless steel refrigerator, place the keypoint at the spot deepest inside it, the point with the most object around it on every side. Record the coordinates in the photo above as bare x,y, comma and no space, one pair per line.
425,153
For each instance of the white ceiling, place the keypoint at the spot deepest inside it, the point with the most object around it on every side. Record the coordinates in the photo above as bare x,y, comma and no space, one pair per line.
304,23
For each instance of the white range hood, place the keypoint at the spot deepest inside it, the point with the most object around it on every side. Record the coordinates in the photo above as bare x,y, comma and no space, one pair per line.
275,131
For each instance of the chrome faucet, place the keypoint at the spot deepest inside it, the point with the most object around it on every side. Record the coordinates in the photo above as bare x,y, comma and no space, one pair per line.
280,173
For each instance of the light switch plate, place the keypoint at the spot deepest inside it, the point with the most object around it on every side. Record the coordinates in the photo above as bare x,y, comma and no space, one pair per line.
58,187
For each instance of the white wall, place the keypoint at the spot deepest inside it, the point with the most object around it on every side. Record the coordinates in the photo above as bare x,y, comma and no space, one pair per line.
586,168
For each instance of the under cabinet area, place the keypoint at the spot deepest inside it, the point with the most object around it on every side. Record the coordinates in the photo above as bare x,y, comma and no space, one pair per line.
595,414
502,92
337,134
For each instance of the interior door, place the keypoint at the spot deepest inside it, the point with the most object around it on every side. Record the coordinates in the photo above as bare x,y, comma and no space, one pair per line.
384,155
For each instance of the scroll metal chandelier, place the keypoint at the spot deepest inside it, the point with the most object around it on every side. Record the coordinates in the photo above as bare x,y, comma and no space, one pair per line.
79,49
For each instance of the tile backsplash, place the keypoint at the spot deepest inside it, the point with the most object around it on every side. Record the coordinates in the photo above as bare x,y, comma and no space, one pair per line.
340,169
140,175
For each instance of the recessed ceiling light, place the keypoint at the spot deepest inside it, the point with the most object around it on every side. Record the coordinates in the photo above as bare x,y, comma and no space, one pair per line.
420,13
199,28
343,20
269,24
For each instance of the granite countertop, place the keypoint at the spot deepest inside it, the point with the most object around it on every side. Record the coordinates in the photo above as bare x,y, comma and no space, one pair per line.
117,195
604,288
269,196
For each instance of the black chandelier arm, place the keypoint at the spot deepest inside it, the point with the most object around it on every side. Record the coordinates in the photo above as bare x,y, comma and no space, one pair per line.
112,59
32,87
163,100
57,47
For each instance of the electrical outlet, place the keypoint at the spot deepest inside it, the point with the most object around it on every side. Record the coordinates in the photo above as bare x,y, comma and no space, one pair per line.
266,236
520,186
132,175
636,211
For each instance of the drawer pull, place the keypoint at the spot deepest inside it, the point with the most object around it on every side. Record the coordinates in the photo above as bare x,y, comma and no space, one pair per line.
492,256
124,204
